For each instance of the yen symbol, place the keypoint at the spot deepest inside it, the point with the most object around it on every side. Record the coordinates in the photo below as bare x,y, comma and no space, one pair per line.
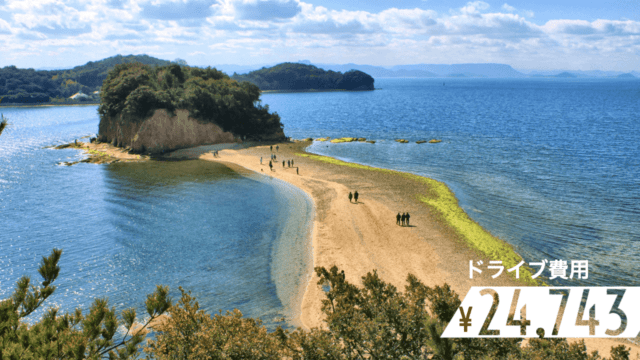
465,321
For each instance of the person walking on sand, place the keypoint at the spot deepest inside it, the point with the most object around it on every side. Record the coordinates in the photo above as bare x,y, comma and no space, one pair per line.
291,162
288,163
271,148
403,218
270,166
277,148
282,163
297,172
398,217
350,196
260,160
408,216
355,196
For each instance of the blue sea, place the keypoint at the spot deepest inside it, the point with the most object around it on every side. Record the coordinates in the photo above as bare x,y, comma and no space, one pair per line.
549,165
552,166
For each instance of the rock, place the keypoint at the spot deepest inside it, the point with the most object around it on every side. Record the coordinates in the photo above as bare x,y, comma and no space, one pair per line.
403,141
163,132
371,141
434,141
344,139
421,141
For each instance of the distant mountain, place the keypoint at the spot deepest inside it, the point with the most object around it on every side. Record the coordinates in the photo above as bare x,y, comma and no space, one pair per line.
230,69
626,76
469,70
92,74
375,71
297,76
577,73
432,70
30,86
566,75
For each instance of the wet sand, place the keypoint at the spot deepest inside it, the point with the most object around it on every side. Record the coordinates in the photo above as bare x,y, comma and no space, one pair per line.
363,236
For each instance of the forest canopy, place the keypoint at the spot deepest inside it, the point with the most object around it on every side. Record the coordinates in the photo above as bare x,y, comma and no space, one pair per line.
133,91
39,86
294,76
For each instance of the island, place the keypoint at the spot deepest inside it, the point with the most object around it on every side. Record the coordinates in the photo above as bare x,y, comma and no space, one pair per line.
79,85
302,77
157,109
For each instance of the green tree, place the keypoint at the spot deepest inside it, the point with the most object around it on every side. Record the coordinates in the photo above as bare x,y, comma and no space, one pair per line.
69,336
190,333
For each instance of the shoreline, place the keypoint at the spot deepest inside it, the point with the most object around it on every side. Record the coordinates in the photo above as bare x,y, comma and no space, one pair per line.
359,238
8,105
356,239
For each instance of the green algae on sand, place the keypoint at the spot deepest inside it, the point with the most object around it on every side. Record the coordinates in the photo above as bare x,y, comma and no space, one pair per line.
439,197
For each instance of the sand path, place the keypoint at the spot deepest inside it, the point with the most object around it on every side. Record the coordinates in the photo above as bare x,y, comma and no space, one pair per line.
360,237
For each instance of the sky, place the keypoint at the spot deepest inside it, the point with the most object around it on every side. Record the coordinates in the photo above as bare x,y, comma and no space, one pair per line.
534,35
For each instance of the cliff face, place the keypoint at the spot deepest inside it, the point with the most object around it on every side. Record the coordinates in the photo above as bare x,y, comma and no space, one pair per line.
161,132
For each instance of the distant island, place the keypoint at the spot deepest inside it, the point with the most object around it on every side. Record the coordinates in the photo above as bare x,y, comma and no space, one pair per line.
159,109
626,76
78,85
297,77
82,84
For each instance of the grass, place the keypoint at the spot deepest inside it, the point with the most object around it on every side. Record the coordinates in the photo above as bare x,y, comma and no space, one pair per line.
344,139
440,198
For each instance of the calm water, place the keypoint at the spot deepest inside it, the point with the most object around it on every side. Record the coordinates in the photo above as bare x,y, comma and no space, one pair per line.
549,165
126,227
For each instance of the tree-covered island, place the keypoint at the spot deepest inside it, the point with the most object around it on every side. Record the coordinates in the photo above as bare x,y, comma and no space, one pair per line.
299,77
158,109
30,87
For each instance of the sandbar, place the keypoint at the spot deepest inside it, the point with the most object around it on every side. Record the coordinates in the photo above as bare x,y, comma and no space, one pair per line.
362,237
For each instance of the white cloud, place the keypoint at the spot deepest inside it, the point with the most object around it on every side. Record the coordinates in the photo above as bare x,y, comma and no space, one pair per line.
474,8
599,27
5,28
508,8
271,30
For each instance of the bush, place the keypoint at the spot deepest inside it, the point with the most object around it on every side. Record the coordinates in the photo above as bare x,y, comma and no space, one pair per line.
69,336
374,321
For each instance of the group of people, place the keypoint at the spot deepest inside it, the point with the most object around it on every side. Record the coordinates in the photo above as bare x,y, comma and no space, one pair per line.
403,219
274,157
353,196
215,153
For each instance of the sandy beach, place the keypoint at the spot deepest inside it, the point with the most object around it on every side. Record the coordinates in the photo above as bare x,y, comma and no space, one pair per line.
363,236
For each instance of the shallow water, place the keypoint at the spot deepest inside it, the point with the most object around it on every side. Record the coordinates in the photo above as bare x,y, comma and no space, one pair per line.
126,227
550,165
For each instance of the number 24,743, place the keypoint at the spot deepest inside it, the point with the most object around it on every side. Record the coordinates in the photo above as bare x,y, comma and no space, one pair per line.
523,322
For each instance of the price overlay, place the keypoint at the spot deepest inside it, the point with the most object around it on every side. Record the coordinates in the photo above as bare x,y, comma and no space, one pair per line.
598,312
